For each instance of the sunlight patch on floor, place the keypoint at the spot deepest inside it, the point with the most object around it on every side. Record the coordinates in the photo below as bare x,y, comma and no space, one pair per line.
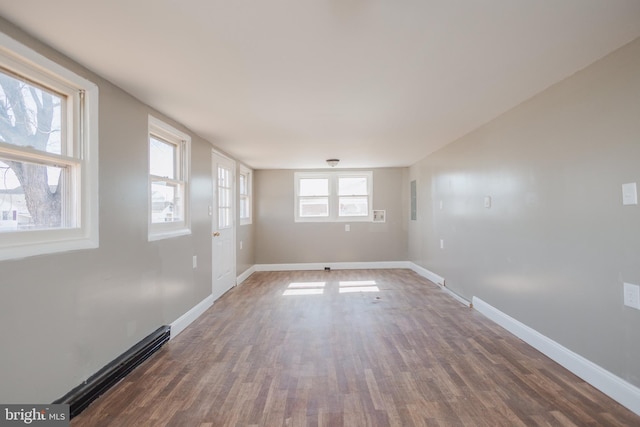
358,286
305,288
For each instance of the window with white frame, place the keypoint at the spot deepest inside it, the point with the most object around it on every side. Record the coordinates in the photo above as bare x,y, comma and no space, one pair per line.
48,155
333,196
245,195
169,154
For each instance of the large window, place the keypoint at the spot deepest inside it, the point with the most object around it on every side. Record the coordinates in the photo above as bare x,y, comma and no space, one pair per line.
333,196
48,155
168,181
245,195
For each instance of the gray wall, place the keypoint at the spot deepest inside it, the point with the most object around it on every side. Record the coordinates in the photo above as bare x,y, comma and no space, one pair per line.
280,240
557,244
65,316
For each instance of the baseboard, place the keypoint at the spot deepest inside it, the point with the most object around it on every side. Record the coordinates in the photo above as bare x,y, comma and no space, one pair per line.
460,299
181,323
438,280
427,274
613,386
332,265
82,396
245,275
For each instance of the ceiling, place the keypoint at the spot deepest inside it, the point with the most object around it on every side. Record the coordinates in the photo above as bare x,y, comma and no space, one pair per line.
290,83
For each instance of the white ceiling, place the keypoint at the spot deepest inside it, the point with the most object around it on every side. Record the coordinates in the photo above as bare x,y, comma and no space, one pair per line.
290,83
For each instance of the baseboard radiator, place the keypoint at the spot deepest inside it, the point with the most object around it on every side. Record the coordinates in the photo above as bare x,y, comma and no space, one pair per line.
80,397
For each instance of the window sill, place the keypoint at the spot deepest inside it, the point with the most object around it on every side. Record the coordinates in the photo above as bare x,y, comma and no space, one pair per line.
341,219
161,235
20,251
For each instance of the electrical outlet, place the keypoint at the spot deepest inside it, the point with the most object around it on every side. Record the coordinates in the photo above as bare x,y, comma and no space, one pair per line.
195,261
632,295
441,243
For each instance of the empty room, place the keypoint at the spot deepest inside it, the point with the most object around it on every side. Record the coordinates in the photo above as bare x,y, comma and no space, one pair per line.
320,213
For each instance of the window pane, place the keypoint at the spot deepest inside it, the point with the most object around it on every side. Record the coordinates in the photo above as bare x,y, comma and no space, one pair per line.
352,186
244,208
243,184
224,208
166,202
162,158
354,206
32,115
314,187
44,209
224,197
317,207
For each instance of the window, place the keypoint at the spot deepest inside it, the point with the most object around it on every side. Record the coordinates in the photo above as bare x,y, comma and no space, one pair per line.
225,197
333,196
48,155
168,181
245,195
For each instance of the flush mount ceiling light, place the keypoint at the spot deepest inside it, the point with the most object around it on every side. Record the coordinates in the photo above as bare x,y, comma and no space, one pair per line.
333,162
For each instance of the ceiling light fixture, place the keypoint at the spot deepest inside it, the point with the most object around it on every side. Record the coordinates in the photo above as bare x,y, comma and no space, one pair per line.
333,162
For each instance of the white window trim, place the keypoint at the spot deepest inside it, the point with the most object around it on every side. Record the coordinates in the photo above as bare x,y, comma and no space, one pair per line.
14,245
249,174
333,196
159,231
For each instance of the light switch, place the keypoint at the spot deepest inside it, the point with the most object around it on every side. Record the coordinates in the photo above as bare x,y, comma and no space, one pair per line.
347,227
629,194
487,202
632,295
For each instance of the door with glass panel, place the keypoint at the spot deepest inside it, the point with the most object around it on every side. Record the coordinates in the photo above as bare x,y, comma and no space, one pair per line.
223,225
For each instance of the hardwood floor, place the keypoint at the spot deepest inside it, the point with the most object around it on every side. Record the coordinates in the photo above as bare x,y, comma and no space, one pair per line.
349,348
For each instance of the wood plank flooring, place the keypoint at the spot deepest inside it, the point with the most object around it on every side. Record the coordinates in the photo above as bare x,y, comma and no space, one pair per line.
349,348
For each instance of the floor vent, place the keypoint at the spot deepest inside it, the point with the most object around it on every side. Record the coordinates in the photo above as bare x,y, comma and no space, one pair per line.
80,397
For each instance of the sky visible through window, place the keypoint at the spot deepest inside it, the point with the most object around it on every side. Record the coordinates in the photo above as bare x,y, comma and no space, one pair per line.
162,158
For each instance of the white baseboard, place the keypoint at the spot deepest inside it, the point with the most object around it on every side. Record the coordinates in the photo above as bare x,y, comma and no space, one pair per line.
460,299
438,280
332,265
427,274
181,323
613,386
245,275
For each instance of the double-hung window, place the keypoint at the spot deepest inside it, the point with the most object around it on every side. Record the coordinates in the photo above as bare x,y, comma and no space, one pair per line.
169,153
245,195
333,196
48,155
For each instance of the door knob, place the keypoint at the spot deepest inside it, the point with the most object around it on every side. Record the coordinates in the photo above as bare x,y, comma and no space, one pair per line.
216,234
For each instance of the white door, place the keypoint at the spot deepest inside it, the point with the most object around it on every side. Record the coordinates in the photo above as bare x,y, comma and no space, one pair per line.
223,225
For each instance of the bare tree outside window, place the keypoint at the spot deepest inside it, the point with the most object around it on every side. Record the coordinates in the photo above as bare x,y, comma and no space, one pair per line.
30,117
